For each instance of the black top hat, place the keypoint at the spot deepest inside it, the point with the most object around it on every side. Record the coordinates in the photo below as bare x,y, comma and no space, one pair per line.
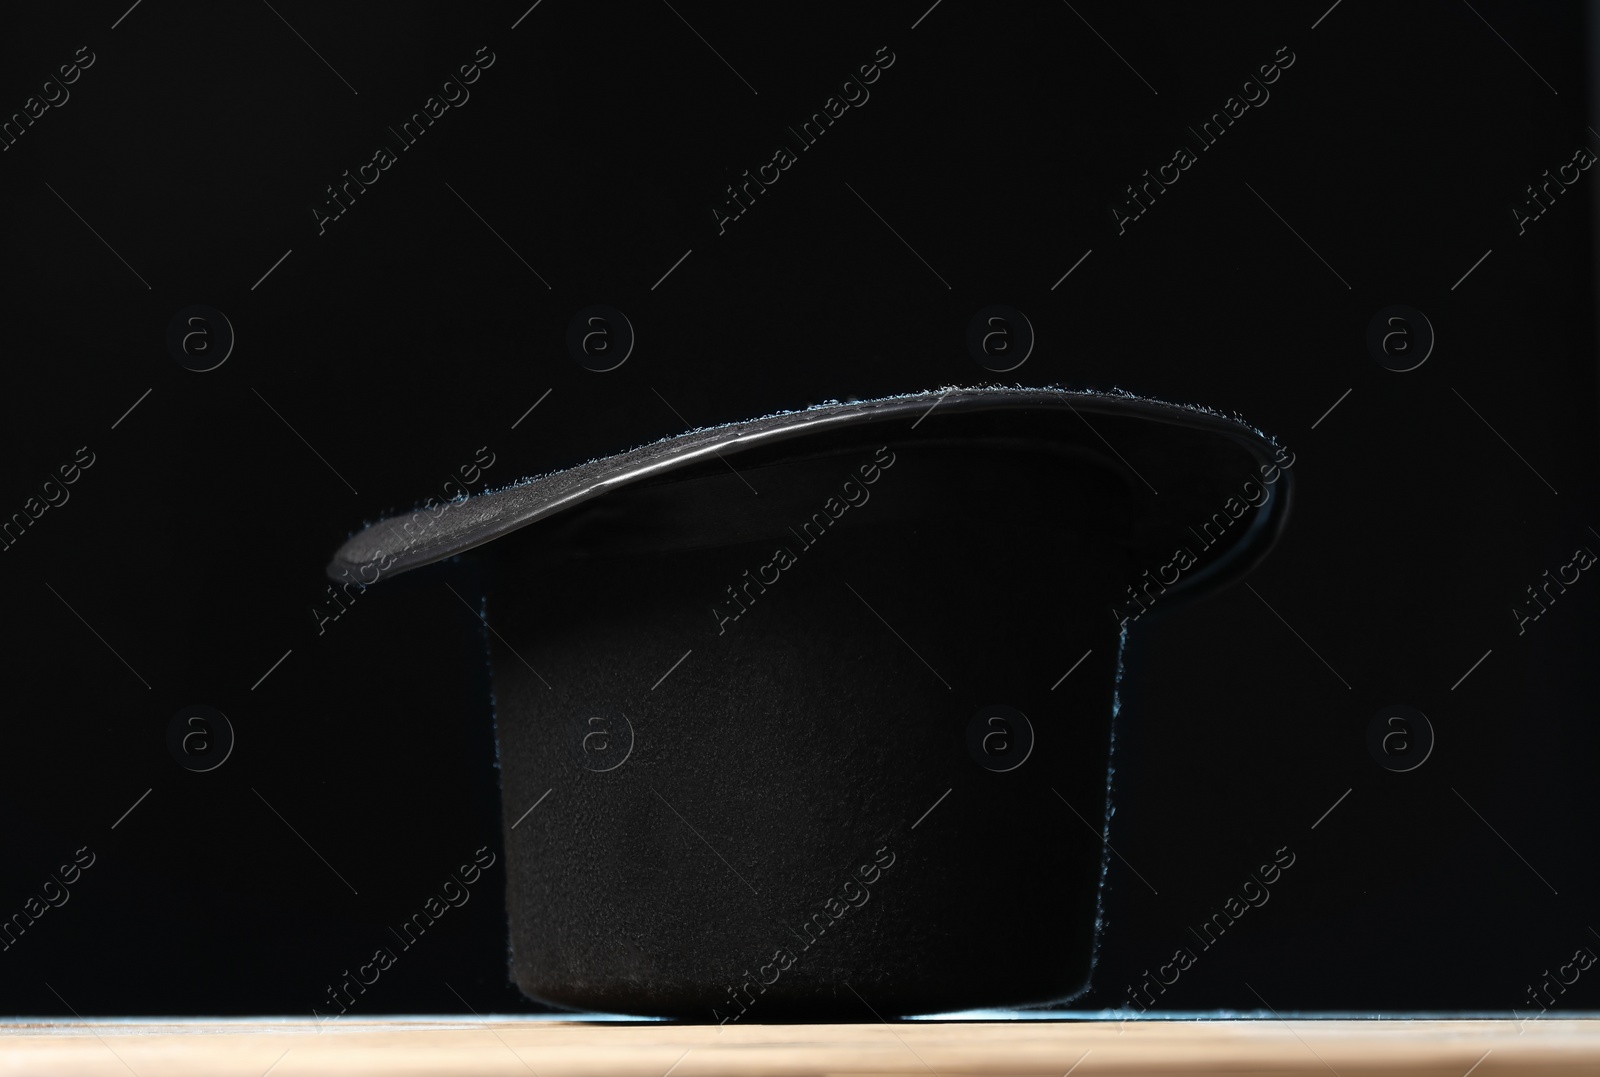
807,704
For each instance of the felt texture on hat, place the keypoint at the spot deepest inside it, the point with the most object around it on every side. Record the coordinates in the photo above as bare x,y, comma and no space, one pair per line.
752,840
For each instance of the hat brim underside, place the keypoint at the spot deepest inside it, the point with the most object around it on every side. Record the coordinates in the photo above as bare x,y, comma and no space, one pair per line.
1189,466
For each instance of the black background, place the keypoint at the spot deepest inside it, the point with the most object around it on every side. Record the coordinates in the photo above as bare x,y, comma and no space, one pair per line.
377,358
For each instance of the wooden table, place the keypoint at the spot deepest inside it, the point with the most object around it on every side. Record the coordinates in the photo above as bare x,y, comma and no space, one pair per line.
255,1048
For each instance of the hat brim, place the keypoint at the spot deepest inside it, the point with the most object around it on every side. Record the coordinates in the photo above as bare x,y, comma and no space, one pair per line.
1189,465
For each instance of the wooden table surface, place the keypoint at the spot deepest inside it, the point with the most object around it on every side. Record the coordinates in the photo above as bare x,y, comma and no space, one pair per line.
418,1046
